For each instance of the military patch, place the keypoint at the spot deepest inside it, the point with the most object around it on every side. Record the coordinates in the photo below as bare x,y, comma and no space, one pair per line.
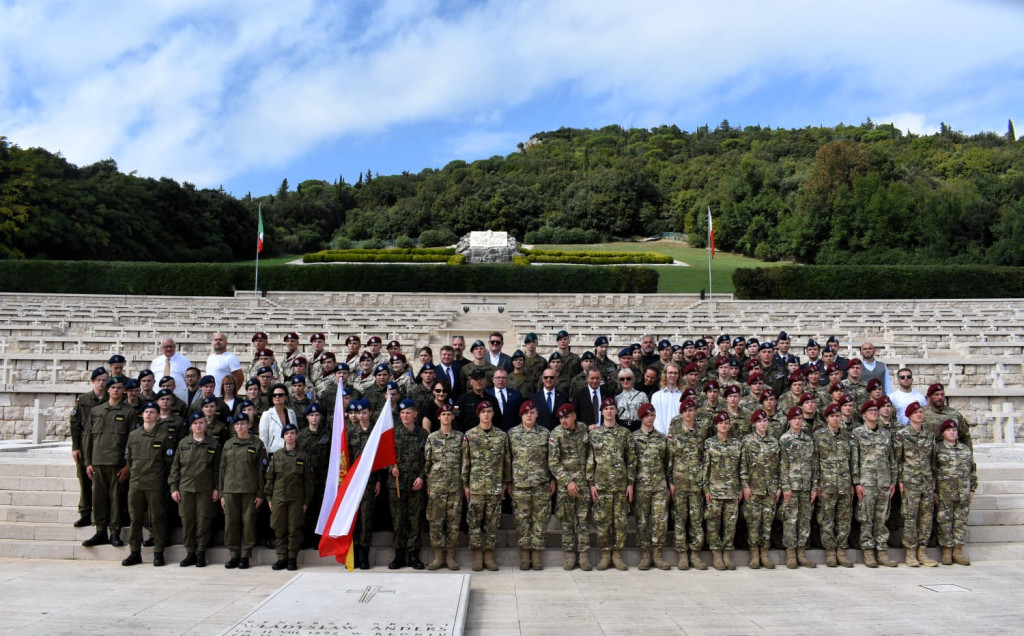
251,450
299,462
211,451
265,461
74,411
157,445
170,452
118,419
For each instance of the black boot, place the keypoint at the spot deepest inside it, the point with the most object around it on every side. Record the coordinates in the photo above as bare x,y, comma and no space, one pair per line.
413,559
398,561
115,539
149,542
364,558
280,564
100,538
83,521
158,559
133,558
190,559
243,563
232,563
200,559
293,564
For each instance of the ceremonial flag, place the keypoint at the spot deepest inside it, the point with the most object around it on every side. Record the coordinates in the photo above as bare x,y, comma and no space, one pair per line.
337,468
711,234
259,231
378,453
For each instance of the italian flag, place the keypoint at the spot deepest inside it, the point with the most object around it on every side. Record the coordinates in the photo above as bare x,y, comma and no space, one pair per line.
259,231
711,234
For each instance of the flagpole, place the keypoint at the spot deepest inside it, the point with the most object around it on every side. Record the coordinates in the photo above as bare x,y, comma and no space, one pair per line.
710,247
259,244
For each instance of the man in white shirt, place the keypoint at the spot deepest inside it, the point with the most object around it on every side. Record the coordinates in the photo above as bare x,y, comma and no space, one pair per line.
173,364
222,362
905,394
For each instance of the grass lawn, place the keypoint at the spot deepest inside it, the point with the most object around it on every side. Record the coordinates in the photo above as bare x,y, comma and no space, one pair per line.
277,260
674,279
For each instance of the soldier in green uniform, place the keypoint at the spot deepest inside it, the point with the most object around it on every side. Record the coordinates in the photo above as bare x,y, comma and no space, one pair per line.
777,422
874,477
316,440
798,479
486,475
103,444
289,490
723,491
298,400
938,411
406,480
84,404
193,483
146,459
835,487
443,468
216,427
422,392
611,472
956,479
532,485
686,445
653,476
533,363
855,386
759,478
567,461
913,447
520,378
357,430
740,425
242,476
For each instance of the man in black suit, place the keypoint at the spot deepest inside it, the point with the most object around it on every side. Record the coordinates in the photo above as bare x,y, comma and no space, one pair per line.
587,401
494,354
507,400
548,399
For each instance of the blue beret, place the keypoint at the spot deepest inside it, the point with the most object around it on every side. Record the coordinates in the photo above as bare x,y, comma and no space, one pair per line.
313,408
406,404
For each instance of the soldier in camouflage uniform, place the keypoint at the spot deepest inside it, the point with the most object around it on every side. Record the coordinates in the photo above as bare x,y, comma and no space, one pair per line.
298,400
568,448
533,363
759,478
653,476
242,476
956,480
855,386
752,400
532,485
443,468
913,447
315,439
708,408
740,425
835,487
722,491
874,477
798,479
357,431
790,398
423,392
486,474
686,445
938,411
777,422
405,488
611,471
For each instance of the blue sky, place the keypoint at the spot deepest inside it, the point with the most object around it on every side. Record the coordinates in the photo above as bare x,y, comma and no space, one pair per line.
245,93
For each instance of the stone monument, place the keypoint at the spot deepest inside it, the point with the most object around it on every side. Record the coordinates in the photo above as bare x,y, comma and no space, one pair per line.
487,247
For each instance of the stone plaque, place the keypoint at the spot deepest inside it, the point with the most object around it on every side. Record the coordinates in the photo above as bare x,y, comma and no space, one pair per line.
487,239
355,604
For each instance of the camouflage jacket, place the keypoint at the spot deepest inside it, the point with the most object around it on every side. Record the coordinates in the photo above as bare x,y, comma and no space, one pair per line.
317,445
722,467
529,451
759,464
873,461
486,468
834,458
611,463
653,461
913,452
687,449
956,475
933,420
443,462
567,456
409,456
798,466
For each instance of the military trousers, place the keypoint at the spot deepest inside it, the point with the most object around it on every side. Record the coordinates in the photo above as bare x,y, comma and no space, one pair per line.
405,517
610,513
918,508
239,523
572,514
796,519
759,512
139,503
651,510
871,513
444,510
531,507
196,511
951,519
721,521
286,518
85,490
483,516
363,530
688,514
106,498
835,513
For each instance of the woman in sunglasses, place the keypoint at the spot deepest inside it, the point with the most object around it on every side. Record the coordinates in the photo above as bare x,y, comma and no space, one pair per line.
274,419
430,415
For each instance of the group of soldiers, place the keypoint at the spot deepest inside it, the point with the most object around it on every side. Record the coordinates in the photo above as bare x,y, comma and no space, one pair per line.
688,434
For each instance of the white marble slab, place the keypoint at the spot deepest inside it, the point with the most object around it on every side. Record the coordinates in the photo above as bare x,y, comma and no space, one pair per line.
488,238
358,604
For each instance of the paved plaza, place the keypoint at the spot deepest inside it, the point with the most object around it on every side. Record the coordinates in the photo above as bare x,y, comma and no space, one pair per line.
101,597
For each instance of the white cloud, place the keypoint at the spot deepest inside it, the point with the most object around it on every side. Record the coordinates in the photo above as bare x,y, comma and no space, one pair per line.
909,122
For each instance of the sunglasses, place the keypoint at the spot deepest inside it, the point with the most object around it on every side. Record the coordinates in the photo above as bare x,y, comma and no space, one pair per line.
440,391
905,377
627,379
549,377
280,395
496,342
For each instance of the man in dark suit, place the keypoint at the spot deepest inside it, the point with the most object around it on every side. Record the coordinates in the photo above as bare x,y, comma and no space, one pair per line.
507,400
587,401
548,399
494,354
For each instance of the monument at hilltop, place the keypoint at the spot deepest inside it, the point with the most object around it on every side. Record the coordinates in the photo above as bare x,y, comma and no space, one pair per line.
487,247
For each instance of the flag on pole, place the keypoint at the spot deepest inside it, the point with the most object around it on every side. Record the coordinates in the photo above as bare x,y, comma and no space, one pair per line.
259,231
711,234
378,453
338,466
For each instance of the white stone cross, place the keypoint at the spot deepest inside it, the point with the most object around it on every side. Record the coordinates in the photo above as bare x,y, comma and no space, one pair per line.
369,592
1004,424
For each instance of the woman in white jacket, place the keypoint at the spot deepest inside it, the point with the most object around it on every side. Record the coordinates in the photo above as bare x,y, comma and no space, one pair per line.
274,419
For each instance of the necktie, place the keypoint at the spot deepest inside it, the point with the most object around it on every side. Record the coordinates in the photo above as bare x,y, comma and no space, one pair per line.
451,377
551,402
167,367
501,395
597,407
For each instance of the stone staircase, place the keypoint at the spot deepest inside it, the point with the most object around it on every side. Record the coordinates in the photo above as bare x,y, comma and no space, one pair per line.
39,498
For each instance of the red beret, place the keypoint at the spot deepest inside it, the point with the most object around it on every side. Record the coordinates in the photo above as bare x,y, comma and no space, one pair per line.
854,362
317,336
870,404
352,339
805,397
732,389
527,406
484,404
711,386
685,404
756,376
291,335
767,393
874,383
759,414
948,424
796,376
794,412
646,409
912,408
935,387
836,386
720,417
259,335
831,409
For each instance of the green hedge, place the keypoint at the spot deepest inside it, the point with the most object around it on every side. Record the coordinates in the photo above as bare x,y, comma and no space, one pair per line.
879,281
394,255
222,279
595,257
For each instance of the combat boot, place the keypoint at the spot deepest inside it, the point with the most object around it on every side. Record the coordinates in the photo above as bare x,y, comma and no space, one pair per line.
200,559
755,558
438,561
766,559
959,557
869,559
659,560
585,561
524,559
413,559
645,559
727,561
570,560
947,555
617,561
696,561
292,564
841,558
364,557
684,560
922,558
718,563
190,559
801,558
536,559
478,560
791,558
133,558
883,559
450,559
489,561
830,558
397,562
606,560
911,559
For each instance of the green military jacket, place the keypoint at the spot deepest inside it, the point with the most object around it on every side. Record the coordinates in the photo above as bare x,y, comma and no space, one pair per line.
687,449
933,420
317,445
567,456
243,467
486,465
146,455
759,464
873,462
106,435
196,466
913,453
739,424
175,426
835,452
956,475
653,460
289,478
611,463
84,404
443,462
722,468
409,456
798,462
529,451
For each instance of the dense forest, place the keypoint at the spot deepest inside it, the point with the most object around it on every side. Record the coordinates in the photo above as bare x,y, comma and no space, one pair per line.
830,195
